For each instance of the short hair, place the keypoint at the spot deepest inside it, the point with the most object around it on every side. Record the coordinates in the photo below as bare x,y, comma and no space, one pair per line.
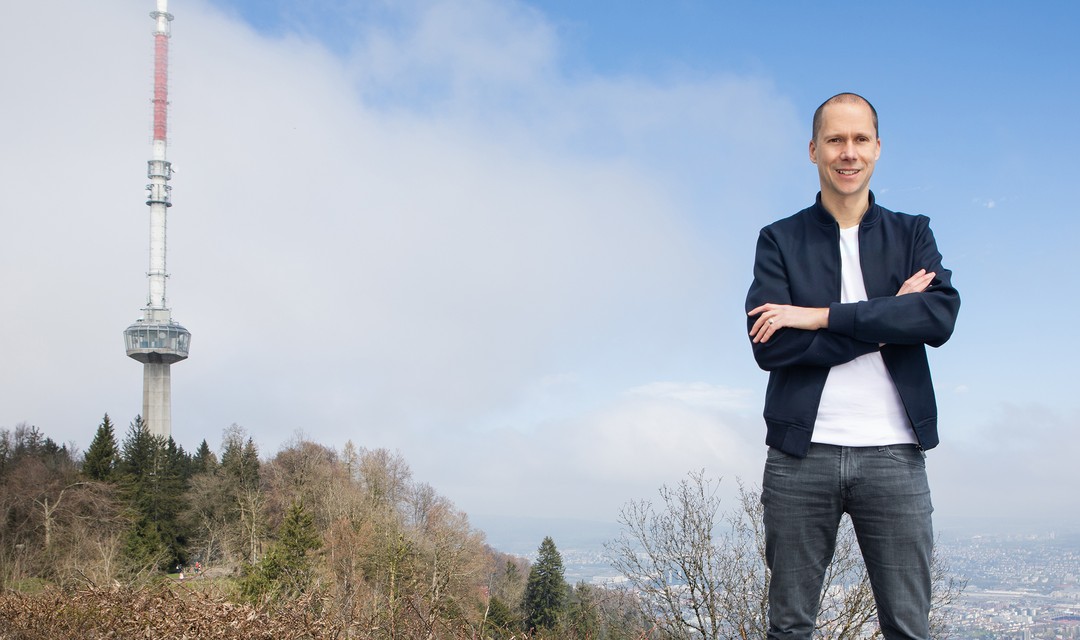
848,98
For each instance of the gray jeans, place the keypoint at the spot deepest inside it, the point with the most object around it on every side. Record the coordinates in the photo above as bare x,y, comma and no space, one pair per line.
885,492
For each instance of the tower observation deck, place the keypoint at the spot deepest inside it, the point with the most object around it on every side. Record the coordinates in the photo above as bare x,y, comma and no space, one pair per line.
155,339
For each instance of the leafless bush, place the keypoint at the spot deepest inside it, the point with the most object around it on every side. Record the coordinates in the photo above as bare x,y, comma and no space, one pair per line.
702,574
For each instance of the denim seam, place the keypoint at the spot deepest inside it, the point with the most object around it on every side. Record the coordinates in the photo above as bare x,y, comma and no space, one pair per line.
919,463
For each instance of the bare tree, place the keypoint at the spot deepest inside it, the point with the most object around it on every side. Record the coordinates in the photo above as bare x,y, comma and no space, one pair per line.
88,535
213,517
681,571
448,566
701,574
385,477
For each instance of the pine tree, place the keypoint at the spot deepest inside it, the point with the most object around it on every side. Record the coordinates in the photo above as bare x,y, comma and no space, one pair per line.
29,442
102,456
240,479
287,570
583,612
153,477
240,460
500,622
178,461
546,590
204,459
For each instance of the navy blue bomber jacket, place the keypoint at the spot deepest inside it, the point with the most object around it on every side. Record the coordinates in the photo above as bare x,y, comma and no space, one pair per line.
798,263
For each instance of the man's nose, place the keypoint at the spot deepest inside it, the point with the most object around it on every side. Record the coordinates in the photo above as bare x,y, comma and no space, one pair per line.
848,152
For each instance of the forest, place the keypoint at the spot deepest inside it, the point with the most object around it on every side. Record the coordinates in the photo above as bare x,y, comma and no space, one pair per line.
137,535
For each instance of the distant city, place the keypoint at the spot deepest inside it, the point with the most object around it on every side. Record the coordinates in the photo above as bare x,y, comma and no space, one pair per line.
1021,585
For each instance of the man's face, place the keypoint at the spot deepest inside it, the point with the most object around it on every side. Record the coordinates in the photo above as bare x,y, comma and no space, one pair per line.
845,149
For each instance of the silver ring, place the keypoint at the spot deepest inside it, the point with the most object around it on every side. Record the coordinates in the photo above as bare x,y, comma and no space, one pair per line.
772,320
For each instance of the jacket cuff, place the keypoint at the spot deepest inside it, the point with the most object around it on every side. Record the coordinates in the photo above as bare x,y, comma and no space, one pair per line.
842,318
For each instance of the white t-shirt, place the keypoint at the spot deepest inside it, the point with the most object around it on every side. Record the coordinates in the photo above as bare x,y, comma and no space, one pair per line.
860,406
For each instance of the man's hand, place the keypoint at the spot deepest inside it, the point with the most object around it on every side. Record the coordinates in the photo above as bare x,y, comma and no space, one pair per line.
917,283
773,317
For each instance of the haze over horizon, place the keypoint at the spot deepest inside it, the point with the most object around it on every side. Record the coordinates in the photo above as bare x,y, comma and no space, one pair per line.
511,240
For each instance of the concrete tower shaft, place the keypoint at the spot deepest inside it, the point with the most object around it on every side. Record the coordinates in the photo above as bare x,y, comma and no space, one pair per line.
156,340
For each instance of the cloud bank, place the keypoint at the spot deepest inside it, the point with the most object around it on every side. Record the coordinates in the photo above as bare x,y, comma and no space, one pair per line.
430,236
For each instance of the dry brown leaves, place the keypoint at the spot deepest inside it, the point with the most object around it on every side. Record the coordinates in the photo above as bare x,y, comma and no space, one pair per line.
163,611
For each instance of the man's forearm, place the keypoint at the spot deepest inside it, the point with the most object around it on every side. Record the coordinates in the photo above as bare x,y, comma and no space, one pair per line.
773,317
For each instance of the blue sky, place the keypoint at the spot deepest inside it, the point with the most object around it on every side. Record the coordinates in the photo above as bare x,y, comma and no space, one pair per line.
511,240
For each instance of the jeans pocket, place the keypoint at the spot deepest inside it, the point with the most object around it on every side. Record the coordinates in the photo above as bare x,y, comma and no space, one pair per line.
907,454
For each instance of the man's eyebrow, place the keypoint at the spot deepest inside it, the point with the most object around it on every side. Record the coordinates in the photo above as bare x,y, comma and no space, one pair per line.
825,135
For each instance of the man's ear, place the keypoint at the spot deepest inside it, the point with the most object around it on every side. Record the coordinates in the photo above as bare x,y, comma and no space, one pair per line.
813,152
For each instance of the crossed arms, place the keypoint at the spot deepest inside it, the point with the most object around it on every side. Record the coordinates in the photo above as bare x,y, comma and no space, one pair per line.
772,317
795,287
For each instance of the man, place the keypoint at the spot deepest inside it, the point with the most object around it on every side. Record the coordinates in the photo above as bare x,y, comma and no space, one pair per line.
845,298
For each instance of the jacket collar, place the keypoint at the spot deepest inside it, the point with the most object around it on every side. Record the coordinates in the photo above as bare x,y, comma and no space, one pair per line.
822,215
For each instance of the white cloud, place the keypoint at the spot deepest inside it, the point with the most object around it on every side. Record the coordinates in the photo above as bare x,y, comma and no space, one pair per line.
699,393
1018,465
474,52
424,246
588,466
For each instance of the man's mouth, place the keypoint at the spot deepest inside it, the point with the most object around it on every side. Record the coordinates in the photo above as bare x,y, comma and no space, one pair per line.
847,172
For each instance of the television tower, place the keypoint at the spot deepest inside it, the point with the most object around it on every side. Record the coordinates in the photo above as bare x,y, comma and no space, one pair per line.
156,340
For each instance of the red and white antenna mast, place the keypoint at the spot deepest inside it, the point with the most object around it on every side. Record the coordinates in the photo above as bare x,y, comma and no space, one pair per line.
155,339
159,169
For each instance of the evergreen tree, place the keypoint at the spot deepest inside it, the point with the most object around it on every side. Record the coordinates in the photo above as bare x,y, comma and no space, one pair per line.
204,459
28,442
102,456
5,452
178,462
546,590
152,474
240,460
288,569
583,612
240,480
500,622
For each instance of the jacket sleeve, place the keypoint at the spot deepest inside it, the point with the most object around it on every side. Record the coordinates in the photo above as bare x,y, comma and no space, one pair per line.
792,347
927,317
